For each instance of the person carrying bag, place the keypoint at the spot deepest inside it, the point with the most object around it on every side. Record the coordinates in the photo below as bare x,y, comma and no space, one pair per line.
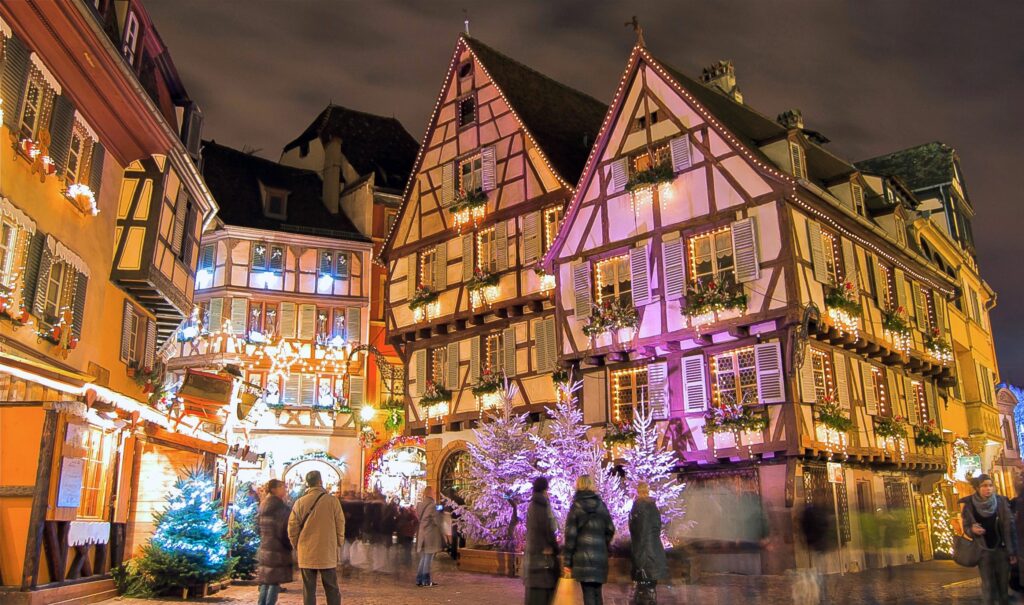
987,518
316,529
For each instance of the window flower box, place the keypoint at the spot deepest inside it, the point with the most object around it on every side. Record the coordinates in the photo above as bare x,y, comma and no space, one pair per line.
705,298
734,419
469,207
896,327
547,281
425,304
928,436
83,198
641,185
612,315
59,334
843,307
435,395
938,347
891,428
488,390
832,417
483,288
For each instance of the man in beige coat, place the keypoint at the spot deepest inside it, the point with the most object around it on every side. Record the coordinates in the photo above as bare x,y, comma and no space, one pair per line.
317,530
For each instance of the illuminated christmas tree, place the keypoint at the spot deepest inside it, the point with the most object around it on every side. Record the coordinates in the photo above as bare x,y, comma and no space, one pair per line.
646,461
942,530
244,534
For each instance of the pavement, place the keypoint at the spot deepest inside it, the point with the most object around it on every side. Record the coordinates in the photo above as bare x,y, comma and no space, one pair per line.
933,582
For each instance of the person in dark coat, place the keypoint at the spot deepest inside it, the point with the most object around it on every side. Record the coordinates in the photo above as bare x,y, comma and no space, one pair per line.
540,561
588,534
649,562
274,557
407,526
986,516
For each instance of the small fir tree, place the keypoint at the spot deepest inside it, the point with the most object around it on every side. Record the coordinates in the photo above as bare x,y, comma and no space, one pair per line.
244,535
646,461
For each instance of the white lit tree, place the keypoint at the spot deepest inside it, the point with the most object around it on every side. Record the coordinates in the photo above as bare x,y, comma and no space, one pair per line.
646,461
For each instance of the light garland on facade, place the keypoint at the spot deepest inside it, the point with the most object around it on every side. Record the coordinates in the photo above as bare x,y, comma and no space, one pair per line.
901,341
83,197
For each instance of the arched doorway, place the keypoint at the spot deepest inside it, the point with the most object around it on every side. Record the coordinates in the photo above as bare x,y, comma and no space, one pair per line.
294,476
398,470
453,475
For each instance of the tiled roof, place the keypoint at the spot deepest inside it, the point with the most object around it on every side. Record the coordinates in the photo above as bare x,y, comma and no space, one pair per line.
234,179
372,144
919,167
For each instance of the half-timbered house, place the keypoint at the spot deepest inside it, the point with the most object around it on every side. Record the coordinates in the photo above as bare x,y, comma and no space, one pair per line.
466,306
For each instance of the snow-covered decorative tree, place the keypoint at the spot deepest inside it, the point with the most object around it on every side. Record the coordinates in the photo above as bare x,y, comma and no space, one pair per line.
500,470
646,461
244,533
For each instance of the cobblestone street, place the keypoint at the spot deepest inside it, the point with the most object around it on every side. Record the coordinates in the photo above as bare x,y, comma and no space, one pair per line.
924,584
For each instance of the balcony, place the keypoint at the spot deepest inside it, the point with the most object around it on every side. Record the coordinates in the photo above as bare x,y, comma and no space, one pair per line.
983,420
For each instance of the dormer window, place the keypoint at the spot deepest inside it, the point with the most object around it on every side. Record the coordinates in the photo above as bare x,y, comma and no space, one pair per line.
901,229
275,203
131,37
467,111
796,155
857,192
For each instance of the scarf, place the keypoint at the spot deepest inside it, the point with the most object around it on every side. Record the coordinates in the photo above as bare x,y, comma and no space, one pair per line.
985,507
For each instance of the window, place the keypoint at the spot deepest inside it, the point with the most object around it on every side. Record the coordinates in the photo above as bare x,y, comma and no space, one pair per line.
917,398
59,291
78,155
265,257
711,256
466,69
858,199
427,260
975,305
438,365
552,220
642,121
390,216
467,111
832,254
644,161
275,203
131,37
888,285
881,391
824,379
36,106
471,174
629,392
735,377
486,251
492,353
8,252
614,281
95,476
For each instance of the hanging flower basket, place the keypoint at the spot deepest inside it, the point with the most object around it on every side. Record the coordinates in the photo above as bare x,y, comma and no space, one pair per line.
83,197
483,287
547,281
392,403
560,377
891,428
488,383
706,297
938,347
611,315
435,394
928,436
619,434
896,327
734,419
468,207
832,417
424,303
843,307
651,177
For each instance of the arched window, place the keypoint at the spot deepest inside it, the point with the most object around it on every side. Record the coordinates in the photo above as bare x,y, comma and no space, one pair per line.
453,474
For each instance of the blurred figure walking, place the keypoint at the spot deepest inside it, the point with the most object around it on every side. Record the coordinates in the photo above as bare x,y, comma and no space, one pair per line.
986,516
429,537
274,557
588,534
540,561
649,562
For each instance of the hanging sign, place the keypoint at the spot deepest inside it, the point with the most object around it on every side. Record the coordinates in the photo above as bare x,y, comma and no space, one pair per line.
69,490
834,470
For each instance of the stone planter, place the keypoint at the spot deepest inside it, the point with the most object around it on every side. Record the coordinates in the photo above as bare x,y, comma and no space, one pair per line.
494,562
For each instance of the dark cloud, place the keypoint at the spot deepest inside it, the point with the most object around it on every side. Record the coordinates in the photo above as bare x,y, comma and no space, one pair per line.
874,76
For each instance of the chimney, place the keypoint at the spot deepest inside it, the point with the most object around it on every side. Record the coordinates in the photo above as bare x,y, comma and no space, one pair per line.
791,118
722,75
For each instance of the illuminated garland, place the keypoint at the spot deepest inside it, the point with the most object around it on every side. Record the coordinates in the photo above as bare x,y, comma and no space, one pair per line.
374,462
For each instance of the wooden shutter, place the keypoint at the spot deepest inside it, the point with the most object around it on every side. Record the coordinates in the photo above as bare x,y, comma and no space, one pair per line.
276,259
326,262
291,389
467,257
452,378
796,156
920,307
33,259
447,184
78,307
239,315
487,168
881,284
619,175
342,261
12,83
817,252
547,353
807,391
894,398
581,288
259,256
45,263
531,237
842,380
501,245
440,266
216,315
901,289
474,359
870,398
850,272
508,344
96,169
679,148
940,312
744,246
639,276
858,196
307,322
657,387
207,257
286,320
768,363
178,236
354,325
695,395
419,363
356,391
149,353
61,124
412,272
127,318
929,399
913,412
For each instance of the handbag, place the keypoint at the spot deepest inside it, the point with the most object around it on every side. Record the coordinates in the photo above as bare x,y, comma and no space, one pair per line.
644,590
966,552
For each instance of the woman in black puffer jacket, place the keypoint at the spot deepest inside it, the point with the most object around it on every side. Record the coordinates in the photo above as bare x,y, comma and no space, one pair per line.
588,534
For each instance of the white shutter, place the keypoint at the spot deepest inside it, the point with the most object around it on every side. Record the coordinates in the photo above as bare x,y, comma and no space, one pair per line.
440,266
540,345
474,359
679,148
675,273
817,252
657,386
807,391
913,412
307,389
239,315
850,272
870,398
354,325
419,362
291,390
640,276
619,175
501,244
467,257
901,288
447,184
768,362
356,396
307,322
796,156
452,377
842,381
531,237
858,197
287,320
487,168
744,246
508,343
216,315
581,288
695,396
920,307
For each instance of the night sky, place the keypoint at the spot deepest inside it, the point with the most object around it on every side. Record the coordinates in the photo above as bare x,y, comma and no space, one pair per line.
873,76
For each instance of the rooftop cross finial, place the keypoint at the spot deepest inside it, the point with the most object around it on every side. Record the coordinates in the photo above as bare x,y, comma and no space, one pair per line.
639,29
465,20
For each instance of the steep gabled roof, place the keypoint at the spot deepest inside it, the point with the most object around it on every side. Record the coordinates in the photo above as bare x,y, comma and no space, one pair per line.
920,167
234,179
372,144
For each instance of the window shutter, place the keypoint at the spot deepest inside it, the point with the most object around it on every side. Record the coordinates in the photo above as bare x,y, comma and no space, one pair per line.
768,364
850,272
356,395
870,398
501,245
78,307
127,317
276,259
178,236
474,360
15,76
552,344
96,169
929,399
286,320
508,344
581,288
796,156
744,246
531,237
447,184
913,412
61,123
149,353
467,258
207,257
817,252
307,389
342,262
901,289
33,258
326,263
412,273
419,362
487,168
259,256
307,322
858,197
894,398
675,274
842,381
920,307
881,285
640,276
695,396
441,266
940,312
216,316
657,385
354,325
545,345
45,263
239,316
291,389
679,148
619,175
452,377
807,392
